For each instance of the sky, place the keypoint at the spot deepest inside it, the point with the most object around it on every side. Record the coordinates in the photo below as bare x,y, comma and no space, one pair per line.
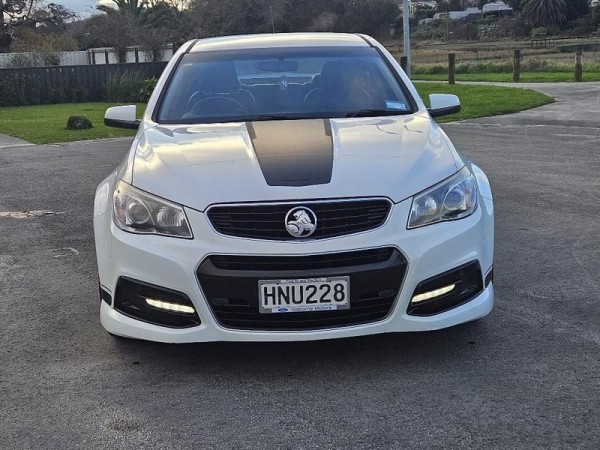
81,6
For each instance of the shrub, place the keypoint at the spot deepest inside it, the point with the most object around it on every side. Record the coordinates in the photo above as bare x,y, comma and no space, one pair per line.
430,69
124,87
505,66
23,60
530,64
539,32
147,88
18,89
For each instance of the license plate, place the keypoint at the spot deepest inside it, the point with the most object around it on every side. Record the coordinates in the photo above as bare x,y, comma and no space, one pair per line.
304,295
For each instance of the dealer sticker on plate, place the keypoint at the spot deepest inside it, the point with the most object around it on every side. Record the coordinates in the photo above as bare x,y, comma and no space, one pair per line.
304,295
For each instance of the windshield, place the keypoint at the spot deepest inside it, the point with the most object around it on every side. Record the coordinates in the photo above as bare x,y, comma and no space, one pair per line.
274,84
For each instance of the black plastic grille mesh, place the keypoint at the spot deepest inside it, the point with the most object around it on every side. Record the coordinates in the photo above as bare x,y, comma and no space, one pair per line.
267,222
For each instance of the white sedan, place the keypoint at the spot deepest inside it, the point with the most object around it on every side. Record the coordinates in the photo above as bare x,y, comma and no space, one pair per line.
290,187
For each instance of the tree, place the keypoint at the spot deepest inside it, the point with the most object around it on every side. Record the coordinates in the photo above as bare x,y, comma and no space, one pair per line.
180,5
456,5
224,17
53,18
373,17
576,9
133,22
596,15
442,6
544,12
119,31
11,10
514,4
156,16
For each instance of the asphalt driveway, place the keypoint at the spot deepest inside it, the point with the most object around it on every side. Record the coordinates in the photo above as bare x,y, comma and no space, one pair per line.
525,376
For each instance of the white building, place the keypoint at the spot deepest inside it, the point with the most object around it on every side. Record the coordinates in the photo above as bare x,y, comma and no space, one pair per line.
457,15
499,7
421,4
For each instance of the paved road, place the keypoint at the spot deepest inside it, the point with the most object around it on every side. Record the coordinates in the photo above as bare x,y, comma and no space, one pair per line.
9,141
525,376
577,105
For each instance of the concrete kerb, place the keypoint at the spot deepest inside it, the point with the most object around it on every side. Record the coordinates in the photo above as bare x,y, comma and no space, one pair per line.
9,141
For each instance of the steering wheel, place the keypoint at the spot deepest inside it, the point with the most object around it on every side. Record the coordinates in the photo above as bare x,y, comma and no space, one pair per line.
195,97
218,102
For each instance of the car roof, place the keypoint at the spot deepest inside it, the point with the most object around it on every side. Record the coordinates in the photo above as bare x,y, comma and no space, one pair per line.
279,40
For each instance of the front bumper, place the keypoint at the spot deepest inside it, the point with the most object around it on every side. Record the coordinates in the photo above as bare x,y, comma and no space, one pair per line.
173,264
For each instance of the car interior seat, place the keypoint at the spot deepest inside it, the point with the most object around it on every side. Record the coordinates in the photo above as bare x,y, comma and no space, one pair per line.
221,89
339,88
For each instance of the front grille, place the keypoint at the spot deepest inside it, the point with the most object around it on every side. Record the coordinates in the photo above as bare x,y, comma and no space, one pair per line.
334,218
230,284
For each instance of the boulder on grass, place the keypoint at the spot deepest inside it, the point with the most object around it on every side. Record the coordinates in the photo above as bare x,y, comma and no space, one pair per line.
79,123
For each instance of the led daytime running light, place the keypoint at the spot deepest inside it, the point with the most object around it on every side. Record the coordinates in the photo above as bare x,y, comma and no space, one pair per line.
170,306
433,294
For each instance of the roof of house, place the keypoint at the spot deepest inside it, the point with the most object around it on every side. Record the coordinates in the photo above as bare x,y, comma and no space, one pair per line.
496,6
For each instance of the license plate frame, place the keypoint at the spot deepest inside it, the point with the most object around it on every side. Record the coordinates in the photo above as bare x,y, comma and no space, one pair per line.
296,289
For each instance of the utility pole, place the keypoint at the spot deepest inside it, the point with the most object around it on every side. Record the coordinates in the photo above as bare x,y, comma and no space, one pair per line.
406,28
1,16
272,21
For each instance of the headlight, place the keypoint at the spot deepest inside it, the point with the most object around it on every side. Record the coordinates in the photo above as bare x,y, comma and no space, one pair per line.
136,211
452,199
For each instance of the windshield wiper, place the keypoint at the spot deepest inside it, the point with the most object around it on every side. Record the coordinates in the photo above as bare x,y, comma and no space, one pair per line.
272,117
375,112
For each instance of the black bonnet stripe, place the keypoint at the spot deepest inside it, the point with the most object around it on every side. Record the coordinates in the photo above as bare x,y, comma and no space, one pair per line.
293,152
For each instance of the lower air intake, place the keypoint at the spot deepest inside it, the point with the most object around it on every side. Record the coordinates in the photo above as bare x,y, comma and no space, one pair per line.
230,283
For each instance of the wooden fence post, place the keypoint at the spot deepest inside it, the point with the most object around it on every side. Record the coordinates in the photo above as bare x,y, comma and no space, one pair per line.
579,64
404,63
517,66
451,68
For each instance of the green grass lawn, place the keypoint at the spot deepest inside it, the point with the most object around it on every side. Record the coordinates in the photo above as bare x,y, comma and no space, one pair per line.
47,123
484,101
526,77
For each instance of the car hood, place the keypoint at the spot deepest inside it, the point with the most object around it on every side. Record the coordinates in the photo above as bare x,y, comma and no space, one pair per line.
201,165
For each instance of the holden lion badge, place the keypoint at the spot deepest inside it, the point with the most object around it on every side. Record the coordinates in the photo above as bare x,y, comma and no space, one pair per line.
301,222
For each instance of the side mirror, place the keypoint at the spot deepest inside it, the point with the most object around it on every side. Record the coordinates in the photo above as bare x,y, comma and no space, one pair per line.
122,117
443,104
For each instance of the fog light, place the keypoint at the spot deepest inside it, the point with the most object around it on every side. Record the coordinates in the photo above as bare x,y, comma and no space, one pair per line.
433,294
170,306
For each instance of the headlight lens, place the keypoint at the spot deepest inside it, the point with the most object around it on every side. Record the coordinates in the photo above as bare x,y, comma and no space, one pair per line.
452,199
138,212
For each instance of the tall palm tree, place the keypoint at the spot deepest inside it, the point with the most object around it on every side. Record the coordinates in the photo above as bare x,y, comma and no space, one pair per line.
156,16
133,7
544,12
136,20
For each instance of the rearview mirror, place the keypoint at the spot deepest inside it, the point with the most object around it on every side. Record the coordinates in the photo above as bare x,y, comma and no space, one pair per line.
122,117
443,104
278,66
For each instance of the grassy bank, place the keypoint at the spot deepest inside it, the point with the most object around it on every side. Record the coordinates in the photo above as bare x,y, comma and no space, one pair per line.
46,124
526,77
485,101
